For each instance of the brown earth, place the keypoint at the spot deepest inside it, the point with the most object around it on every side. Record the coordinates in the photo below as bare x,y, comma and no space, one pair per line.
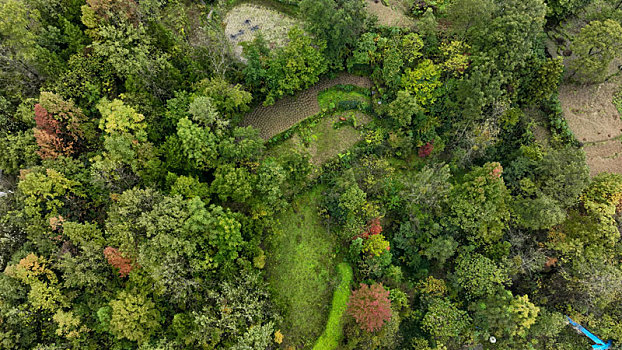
595,121
271,120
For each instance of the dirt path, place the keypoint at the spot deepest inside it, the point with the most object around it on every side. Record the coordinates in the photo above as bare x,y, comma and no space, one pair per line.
596,122
288,111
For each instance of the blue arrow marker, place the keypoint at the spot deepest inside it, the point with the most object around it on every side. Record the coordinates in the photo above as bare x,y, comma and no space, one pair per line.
600,345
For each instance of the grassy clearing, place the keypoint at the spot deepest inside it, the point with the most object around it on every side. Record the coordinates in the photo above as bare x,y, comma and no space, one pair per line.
334,328
391,13
322,140
330,98
329,142
300,265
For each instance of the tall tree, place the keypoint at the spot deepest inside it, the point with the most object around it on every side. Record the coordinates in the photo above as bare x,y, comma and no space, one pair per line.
338,22
596,45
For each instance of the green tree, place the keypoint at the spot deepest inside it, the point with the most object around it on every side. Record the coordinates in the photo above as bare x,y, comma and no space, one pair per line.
542,82
505,316
25,63
596,45
232,182
128,157
538,213
296,66
403,108
411,46
241,144
228,99
509,36
286,70
19,151
562,175
479,206
444,321
188,187
337,22
134,316
422,82
465,14
198,144
45,194
478,276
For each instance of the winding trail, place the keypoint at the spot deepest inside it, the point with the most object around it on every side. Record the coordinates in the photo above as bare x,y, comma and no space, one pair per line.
286,112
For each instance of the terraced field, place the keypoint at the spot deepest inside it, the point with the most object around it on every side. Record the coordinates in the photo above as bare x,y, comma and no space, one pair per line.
596,122
290,110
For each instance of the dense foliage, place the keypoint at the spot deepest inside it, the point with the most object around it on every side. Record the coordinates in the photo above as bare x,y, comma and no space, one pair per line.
139,210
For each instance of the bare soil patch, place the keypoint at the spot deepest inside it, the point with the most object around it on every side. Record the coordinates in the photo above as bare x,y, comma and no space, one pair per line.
590,112
392,15
245,21
595,121
604,157
271,120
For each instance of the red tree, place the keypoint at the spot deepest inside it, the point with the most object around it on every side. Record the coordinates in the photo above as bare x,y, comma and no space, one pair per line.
58,126
370,306
426,149
373,228
116,259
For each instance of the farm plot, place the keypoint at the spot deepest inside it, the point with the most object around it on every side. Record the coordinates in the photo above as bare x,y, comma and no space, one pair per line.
243,22
286,112
322,141
595,121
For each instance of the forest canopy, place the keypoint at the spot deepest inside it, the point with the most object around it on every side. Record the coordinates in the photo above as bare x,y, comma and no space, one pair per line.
310,174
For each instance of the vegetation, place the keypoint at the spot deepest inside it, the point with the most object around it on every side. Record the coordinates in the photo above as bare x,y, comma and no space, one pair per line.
209,175
331,337
301,262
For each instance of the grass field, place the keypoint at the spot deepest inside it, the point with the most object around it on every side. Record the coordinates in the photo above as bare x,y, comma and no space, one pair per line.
334,327
301,270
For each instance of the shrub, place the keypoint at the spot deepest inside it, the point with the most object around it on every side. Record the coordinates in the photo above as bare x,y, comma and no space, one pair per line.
370,306
376,245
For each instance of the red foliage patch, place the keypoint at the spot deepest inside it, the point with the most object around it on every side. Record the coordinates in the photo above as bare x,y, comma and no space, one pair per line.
373,228
426,149
116,259
496,172
370,306
57,131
